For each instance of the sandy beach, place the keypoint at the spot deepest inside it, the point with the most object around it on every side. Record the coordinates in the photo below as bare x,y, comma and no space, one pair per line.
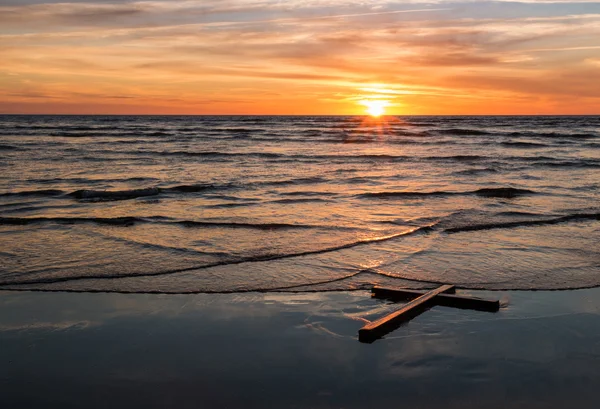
66,350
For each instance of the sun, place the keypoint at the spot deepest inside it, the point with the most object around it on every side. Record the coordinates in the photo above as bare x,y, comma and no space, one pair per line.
375,107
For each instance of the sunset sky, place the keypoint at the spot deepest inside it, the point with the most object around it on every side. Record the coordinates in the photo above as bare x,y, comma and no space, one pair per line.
299,57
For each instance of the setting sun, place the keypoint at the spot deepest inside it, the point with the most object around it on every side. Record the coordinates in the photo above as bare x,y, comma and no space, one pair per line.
375,107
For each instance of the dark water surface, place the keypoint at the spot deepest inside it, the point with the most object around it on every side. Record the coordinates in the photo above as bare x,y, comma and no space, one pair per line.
294,351
234,204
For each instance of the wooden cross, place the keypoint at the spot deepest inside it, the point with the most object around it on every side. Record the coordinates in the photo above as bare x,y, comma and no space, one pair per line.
421,301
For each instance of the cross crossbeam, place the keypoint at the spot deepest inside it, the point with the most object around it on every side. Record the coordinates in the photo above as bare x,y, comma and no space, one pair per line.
421,301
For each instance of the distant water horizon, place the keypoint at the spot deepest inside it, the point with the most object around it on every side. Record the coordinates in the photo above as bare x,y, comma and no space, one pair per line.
237,203
311,115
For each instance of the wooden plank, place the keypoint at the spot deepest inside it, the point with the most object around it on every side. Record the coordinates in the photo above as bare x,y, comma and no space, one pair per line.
400,294
384,325
445,299
467,303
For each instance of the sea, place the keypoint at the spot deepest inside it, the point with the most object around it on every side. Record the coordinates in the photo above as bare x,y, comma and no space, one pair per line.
227,204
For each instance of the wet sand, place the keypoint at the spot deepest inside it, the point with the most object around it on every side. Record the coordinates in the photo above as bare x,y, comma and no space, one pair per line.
72,350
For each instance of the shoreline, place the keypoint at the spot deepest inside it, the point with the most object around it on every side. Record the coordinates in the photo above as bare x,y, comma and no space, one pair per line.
295,350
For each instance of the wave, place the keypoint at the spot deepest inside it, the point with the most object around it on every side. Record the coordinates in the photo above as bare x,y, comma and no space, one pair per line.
517,144
115,194
360,180
582,163
235,130
295,288
192,188
6,147
242,260
127,194
299,181
42,192
475,171
524,223
301,200
239,155
215,154
61,132
137,141
115,221
462,132
458,158
136,134
501,192
109,195
313,132
103,155
254,119
64,128
127,221
403,194
552,135
88,180
514,213
258,226
410,123
307,193
303,288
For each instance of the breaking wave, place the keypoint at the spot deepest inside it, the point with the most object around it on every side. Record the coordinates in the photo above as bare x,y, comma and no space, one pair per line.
502,192
127,221
42,192
462,132
241,260
524,223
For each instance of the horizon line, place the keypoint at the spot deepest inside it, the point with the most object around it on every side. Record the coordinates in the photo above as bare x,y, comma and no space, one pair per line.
296,115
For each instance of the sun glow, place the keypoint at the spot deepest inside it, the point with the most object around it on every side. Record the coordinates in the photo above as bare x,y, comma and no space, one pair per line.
375,107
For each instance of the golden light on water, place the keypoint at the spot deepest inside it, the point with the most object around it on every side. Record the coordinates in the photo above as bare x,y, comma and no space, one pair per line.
375,107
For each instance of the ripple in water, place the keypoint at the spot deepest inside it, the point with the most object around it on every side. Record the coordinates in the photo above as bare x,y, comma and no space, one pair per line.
234,204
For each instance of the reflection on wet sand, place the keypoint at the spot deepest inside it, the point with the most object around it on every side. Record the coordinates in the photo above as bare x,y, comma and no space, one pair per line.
301,350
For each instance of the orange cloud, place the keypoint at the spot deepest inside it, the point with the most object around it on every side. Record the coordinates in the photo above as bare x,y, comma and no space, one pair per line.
266,57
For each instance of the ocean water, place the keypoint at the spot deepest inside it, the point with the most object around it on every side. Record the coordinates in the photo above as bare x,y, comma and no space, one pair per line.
234,204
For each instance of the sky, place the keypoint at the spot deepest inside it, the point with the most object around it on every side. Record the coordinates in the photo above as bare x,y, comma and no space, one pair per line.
299,57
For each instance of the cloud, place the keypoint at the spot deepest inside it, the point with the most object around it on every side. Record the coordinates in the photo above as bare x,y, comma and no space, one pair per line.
186,51
48,15
577,82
